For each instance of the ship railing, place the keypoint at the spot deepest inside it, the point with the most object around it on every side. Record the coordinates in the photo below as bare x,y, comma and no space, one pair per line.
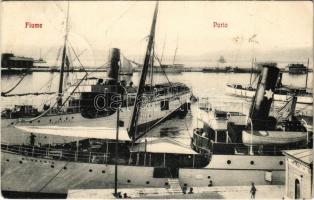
231,106
200,141
166,93
241,149
102,157
203,144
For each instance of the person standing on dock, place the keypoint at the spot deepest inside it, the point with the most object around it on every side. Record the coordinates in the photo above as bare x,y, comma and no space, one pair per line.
253,191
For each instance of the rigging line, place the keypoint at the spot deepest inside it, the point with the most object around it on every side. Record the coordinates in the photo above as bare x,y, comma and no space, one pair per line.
115,22
163,49
170,84
75,89
78,59
54,176
48,82
10,90
135,42
30,93
175,52
56,102
182,144
78,55
162,69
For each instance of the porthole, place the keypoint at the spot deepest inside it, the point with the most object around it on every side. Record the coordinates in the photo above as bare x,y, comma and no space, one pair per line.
52,166
21,162
281,162
65,168
185,184
50,120
129,181
60,119
30,122
166,183
8,160
103,171
147,182
252,162
90,170
72,117
208,177
38,121
12,123
228,162
66,118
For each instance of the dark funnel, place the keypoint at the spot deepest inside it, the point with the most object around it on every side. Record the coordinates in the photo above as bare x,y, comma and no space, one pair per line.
114,58
263,98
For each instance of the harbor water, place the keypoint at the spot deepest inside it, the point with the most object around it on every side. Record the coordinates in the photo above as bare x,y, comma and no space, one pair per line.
209,86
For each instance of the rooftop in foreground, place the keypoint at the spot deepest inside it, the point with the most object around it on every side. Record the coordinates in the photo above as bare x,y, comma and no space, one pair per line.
303,155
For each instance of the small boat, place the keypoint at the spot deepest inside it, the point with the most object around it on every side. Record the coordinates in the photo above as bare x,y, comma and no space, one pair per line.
272,137
221,60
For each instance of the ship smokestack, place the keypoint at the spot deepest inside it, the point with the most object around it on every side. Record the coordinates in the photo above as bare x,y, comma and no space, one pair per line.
114,58
263,98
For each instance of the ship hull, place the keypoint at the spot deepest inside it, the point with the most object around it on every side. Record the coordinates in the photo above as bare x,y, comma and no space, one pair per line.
277,97
154,114
40,175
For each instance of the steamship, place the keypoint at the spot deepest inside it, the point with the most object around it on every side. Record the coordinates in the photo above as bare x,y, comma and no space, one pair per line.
221,151
96,106
88,162
58,167
249,148
281,92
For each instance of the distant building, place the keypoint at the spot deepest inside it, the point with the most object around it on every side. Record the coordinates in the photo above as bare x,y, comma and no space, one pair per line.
297,69
8,60
299,170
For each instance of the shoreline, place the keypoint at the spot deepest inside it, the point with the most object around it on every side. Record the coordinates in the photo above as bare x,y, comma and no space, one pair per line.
6,71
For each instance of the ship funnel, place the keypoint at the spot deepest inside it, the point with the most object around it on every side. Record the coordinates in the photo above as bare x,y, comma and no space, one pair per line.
114,59
263,97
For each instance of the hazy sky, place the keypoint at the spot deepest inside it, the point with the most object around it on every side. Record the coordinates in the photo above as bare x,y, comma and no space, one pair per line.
97,26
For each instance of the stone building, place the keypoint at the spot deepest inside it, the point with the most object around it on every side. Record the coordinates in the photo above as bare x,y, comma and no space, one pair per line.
299,170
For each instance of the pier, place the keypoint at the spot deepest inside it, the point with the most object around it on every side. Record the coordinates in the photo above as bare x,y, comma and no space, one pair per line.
216,192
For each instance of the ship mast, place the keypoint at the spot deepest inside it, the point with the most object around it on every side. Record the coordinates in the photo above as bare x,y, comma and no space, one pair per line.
175,52
307,73
251,72
140,90
60,91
